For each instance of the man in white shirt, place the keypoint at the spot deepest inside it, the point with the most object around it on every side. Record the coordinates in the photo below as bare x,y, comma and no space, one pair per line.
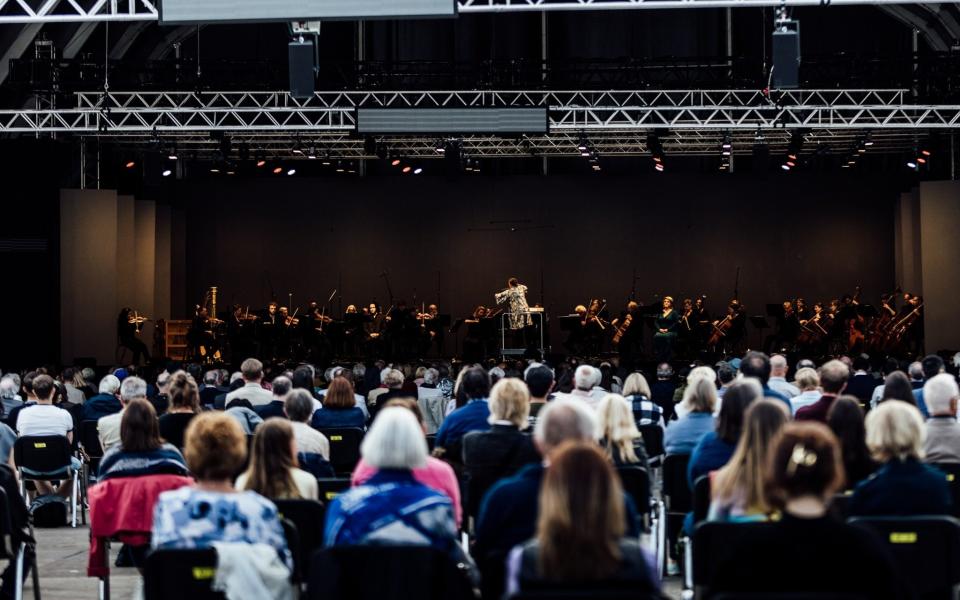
809,382
252,372
45,419
778,377
942,440
585,382
108,427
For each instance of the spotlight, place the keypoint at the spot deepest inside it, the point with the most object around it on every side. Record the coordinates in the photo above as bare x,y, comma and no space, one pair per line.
440,147
785,167
868,142
925,152
261,163
167,173
131,164
921,160
292,172
417,171
791,164
792,156
214,170
173,153
340,168
231,172
407,169
326,161
278,170
395,162
659,167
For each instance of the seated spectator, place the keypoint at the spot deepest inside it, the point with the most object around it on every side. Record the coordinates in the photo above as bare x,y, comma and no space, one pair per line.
725,376
619,436
298,407
637,392
892,365
896,386
184,406
915,372
140,450
252,372
699,399
932,366
757,365
845,419
500,452
862,382
241,410
778,377
738,490
392,507
273,471
45,419
213,510
806,550
540,383
106,402
473,416
72,383
9,396
108,427
211,388
717,446
437,474
581,541
808,382
682,407
942,444
359,399
281,386
586,382
902,485
393,380
833,380
339,408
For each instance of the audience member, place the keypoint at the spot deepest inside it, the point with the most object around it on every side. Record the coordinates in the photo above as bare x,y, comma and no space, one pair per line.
184,406
902,485
699,398
637,392
586,381
540,382
280,387
72,383
932,366
241,410
845,419
717,446
104,403
725,376
662,390
109,428
298,407
942,443
473,416
9,395
778,377
833,380
757,365
252,372
862,383
619,436
890,366
915,371
339,408
896,386
682,407
581,540
210,388
273,472
140,450
808,382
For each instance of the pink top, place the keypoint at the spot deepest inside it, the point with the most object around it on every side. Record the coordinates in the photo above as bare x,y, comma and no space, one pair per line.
437,475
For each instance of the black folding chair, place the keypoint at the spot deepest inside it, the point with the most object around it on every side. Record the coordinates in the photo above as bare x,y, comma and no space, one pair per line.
292,536
90,445
18,554
840,505
713,542
308,517
47,458
636,482
181,574
653,443
377,572
344,448
677,497
925,547
952,473
701,499
330,488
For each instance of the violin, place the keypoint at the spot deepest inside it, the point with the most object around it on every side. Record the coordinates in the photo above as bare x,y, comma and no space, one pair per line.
627,321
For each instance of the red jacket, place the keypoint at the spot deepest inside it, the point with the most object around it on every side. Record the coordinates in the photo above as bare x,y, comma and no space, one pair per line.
123,508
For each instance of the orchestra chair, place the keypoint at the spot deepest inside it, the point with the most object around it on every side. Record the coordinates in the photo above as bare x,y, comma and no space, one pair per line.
712,543
89,435
47,458
344,448
925,548
677,497
331,487
378,572
952,473
18,554
308,517
180,574
653,443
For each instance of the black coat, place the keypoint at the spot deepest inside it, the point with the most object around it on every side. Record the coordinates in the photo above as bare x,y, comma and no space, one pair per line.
489,456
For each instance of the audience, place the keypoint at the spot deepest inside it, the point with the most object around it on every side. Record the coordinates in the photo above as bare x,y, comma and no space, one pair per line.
932,366
738,490
902,485
104,403
213,510
862,382
473,416
896,386
280,387
241,410
273,471
778,377
942,443
184,406
717,446
45,419
140,450
806,550
619,436
757,365
540,382
298,407
252,372
339,408
9,395
581,540
845,419
637,392
586,381
833,380
699,400
808,382
109,427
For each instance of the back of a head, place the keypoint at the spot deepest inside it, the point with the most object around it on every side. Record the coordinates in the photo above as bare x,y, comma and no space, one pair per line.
510,401
778,363
896,386
42,386
271,460
726,374
807,379
109,385
183,391
895,431
562,421
252,369
861,362
700,395
586,377
636,385
756,365
581,517
845,419
805,461
409,404
298,405
745,474
664,371
617,426
932,365
139,427
339,394
940,393
430,376
395,441
736,400
8,387
215,446
915,370
281,386
539,380
475,383
302,378
393,379
211,378
133,388
833,376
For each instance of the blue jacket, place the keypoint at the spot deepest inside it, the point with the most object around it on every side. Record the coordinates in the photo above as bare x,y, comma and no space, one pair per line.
709,455
921,404
274,409
327,418
902,488
769,392
472,417
683,435
509,510
100,406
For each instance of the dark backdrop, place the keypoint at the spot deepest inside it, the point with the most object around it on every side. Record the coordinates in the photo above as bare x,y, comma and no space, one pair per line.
568,238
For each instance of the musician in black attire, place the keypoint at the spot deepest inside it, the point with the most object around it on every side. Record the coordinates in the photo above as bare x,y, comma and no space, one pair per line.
475,343
128,331
270,323
373,326
630,345
734,343
240,333
784,338
200,335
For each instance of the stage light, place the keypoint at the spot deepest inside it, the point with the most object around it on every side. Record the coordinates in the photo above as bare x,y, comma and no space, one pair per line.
326,161
407,169
340,168
131,164
173,153
278,170
231,172
418,170
868,142
261,163
785,167
659,167
792,156
292,172
921,160
911,164
395,162
925,152
214,170
167,173
791,164
440,147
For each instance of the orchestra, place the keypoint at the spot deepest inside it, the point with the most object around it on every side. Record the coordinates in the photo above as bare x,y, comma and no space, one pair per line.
315,332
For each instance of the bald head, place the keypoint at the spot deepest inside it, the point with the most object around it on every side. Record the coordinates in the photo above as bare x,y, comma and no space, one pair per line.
778,366
561,421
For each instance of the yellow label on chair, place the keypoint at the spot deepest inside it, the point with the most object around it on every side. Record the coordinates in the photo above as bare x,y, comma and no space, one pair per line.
903,537
336,438
331,495
951,477
204,572
39,444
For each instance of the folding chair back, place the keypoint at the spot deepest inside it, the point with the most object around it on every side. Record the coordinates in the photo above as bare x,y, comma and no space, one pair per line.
43,457
713,543
636,482
331,487
676,491
701,499
90,439
926,547
344,447
952,473
180,574
308,516
652,440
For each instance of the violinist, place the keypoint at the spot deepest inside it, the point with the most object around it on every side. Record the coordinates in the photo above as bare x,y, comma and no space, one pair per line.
594,327
666,325
240,333
201,334
269,330
627,335
353,333
286,327
475,342
129,323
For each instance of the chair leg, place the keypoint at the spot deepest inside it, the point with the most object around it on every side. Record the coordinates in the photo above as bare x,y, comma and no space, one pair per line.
18,584
73,499
35,573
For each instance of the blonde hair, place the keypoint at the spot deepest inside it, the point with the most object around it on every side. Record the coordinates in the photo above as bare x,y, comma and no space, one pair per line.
807,379
635,384
510,401
700,394
744,476
895,431
617,427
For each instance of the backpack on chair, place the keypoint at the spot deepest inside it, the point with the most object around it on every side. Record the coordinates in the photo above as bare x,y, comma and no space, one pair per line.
49,510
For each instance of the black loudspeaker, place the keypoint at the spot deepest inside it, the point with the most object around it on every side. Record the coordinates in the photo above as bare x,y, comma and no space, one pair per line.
302,80
786,55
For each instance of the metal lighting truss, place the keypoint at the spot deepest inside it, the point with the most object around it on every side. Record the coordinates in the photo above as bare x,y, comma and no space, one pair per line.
60,11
